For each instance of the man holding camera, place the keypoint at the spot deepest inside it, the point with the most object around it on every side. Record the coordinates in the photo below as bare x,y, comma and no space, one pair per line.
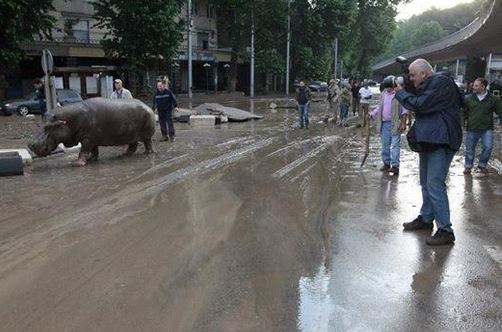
391,122
438,133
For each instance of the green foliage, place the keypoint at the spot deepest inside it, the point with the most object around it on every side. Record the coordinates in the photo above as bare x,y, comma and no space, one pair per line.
140,33
315,25
20,21
431,26
370,34
427,32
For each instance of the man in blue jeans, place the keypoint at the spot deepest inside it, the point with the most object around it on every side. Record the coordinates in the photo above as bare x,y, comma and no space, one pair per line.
436,104
477,116
303,100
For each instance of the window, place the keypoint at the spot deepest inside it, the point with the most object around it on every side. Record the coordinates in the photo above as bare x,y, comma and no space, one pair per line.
92,84
75,82
81,31
77,29
195,5
202,40
209,11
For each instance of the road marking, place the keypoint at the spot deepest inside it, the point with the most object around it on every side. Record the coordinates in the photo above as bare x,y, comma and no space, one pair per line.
495,253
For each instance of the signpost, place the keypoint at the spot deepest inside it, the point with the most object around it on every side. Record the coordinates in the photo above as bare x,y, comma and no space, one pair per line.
50,89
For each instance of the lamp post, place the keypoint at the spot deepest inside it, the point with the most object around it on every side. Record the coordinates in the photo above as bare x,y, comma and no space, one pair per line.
288,41
207,66
189,42
176,67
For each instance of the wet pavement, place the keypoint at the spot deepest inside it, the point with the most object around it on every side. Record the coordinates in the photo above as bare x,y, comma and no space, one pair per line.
255,226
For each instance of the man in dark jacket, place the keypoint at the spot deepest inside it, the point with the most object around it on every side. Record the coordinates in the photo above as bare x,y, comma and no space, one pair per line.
303,98
477,116
436,105
40,95
164,100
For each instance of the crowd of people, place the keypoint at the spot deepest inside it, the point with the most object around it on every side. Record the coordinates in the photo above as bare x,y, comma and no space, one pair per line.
442,112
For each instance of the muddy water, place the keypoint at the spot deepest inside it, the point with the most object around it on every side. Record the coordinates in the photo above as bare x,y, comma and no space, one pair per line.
214,232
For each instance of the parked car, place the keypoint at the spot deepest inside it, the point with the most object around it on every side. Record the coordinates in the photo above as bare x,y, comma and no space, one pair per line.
30,104
318,86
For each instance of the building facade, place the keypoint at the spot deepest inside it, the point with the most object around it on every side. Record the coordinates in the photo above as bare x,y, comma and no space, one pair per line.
80,62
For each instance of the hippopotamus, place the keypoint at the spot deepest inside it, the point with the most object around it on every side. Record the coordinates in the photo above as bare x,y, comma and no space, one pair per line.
96,122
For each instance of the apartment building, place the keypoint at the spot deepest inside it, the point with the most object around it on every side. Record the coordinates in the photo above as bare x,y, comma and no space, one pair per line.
80,62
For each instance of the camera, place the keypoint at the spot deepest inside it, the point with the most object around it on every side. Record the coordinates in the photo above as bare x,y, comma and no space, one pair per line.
405,81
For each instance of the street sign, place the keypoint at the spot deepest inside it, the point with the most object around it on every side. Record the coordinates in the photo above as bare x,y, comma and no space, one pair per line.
47,61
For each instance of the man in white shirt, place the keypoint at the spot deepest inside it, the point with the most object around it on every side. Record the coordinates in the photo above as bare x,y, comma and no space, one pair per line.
365,95
120,92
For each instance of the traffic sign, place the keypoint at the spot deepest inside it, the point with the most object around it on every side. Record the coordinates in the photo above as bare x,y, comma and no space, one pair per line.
47,61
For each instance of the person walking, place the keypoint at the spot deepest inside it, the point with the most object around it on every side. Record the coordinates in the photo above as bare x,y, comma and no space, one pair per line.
39,86
364,101
391,122
333,99
477,117
355,97
165,101
120,92
438,133
345,104
303,97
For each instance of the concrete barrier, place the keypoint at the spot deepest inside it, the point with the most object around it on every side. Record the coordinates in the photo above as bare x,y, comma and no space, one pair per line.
202,120
11,163
24,153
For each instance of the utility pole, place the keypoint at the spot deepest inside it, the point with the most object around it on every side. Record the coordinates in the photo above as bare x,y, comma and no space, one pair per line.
489,68
287,47
189,38
336,57
251,85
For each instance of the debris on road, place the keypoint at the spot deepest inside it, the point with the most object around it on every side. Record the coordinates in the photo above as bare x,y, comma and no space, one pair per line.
233,114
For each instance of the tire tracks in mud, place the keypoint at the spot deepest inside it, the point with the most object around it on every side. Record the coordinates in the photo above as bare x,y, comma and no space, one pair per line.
132,189
34,242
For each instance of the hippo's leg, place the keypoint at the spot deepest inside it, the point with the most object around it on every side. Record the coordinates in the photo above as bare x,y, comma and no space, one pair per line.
85,152
94,154
131,149
148,146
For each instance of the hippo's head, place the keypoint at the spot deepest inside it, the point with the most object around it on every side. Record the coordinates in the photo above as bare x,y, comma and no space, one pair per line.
54,131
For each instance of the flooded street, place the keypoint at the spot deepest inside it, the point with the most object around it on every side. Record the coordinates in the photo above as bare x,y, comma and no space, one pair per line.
255,226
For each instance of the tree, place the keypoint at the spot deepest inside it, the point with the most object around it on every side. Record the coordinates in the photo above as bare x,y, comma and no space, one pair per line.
316,25
21,21
139,33
427,32
234,25
370,34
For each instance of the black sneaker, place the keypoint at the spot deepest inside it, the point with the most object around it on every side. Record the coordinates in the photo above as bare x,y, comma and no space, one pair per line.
164,138
440,238
417,224
385,168
394,170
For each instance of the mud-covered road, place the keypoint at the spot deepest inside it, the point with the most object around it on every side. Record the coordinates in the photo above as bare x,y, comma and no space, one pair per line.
254,226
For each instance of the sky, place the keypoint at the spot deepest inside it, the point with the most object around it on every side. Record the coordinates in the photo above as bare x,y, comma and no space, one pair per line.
418,6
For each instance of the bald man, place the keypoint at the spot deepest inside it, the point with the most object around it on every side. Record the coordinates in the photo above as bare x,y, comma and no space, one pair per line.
438,131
